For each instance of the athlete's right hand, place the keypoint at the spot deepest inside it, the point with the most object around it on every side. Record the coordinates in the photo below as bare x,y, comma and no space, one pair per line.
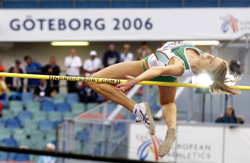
128,84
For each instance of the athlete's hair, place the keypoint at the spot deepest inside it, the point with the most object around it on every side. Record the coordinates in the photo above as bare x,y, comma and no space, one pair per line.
219,85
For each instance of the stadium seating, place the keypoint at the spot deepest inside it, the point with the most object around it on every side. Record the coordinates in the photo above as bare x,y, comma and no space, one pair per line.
119,116
20,157
86,148
16,106
68,115
59,97
91,105
5,133
2,123
30,124
24,114
164,3
5,104
111,107
63,107
39,116
198,3
51,135
48,106
91,4
234,3
33,105
36,125
55,4
55,115
78,147
120,126
72,98
27,97
98,116
128,4
56,123
78,107
19,134
8,113
36,135
25,143
45,125
87,115
82,135
40,144
10,142
3,156
15,103
16,4
13,123
123,3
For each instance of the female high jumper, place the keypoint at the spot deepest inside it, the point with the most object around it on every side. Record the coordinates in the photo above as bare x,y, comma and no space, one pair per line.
173,60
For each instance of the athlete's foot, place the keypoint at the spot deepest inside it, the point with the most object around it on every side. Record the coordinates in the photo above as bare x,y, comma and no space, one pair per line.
166,146
145,117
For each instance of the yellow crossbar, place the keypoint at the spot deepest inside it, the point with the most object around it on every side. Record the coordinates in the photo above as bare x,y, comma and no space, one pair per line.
111,81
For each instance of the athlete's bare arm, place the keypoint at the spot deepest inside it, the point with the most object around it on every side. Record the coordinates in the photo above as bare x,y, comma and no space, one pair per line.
176,69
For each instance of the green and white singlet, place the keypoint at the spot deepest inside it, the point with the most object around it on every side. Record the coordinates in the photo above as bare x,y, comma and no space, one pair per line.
163,56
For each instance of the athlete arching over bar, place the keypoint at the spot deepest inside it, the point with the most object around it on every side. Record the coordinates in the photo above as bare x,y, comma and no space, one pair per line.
173,60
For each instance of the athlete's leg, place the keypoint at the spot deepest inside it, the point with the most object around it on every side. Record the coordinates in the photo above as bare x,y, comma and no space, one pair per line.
167,100
169,112
117,71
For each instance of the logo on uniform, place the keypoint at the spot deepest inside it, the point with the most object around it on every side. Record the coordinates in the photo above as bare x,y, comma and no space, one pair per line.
229,23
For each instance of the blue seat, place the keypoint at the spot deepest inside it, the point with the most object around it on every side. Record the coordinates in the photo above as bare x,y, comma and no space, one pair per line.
24,114
72,98
45,125
13,123
56,123
155,108
10,142
2,123
98,150
111,107
99,98
120,126
48,106
20,157
132,117
5,104
27,97
82,135
63,107
3,156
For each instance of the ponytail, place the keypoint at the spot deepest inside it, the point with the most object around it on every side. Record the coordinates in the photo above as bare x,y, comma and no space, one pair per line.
219,85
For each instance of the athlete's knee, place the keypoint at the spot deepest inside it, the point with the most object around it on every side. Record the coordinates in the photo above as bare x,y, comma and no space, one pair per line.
164,102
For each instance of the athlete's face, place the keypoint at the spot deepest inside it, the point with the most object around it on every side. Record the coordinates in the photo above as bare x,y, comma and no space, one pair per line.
210,62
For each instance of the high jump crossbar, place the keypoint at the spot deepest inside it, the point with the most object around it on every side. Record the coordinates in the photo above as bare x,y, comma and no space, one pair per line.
110,81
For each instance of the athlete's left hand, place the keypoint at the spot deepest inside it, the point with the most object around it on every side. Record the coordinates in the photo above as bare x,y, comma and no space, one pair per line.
128,84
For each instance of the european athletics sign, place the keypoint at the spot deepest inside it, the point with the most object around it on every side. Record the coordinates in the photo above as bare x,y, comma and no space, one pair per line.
201,143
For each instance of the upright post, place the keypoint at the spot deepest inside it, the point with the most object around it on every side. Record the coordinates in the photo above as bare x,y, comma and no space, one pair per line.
70,135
